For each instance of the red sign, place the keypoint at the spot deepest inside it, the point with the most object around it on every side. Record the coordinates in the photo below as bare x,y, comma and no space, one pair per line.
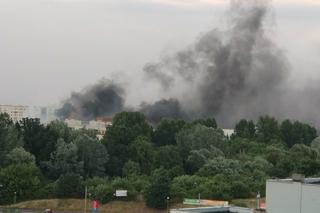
262,205
95,204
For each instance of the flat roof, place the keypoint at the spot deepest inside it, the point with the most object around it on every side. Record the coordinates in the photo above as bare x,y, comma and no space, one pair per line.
215,209
315,181
203,210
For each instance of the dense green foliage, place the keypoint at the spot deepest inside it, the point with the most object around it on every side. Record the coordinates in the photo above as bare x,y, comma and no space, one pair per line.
175,159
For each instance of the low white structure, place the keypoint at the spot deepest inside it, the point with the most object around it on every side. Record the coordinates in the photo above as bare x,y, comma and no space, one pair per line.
293,195
100,125
228,132
74,124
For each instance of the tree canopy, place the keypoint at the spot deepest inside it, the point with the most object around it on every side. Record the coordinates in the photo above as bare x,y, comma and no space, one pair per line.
174,158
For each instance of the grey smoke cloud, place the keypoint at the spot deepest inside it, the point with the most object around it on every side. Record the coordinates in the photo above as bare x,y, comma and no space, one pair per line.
100,100
229,74
239,69
165,108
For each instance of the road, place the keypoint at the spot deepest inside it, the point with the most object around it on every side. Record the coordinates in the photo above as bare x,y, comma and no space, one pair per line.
8,210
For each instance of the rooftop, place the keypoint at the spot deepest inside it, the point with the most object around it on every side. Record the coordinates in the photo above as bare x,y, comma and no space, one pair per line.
315,181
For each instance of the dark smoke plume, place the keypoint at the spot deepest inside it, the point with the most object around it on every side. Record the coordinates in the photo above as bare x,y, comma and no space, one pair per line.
102,99
237,70
227,74
162,109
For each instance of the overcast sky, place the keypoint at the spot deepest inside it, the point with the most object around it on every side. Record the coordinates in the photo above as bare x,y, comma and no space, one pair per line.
49,48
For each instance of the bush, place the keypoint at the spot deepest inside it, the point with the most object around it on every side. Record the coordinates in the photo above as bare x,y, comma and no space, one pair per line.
103,193
47,191
69,185
95,181
158,190
186,187
20,179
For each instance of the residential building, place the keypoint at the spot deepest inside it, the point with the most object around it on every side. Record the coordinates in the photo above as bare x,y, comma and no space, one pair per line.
100,125
74,124
16,112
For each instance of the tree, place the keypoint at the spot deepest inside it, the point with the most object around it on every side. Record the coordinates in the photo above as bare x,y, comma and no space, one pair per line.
64,160
102,192
22,179
217,188
199,137
141,151
130,169
267,129
126,127
69,185
93,155
167,157
257,164
245,129
198,158
186,186
20,156
297,132
209,122
316,143
158,190
246,148
166,131
304,160
221,165
9,137
274,154
61,130
38,139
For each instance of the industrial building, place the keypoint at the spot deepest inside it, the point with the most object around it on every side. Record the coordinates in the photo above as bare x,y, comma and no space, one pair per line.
296,195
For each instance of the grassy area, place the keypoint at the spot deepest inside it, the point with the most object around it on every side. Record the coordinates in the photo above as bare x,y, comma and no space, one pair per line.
250,203
77,205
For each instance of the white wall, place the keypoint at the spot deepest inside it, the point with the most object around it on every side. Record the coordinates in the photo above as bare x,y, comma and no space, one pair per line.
241,210
292,197
283,197
310,198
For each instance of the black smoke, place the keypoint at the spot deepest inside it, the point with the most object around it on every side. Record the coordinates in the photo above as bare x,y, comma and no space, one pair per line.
229,74
233,72
103,99
163,109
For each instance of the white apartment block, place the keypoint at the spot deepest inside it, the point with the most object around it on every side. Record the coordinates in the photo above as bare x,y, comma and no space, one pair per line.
99,125
16,112
74,124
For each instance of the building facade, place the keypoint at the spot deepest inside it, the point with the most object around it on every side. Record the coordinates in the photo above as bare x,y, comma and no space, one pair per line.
16,112
100,125
293,196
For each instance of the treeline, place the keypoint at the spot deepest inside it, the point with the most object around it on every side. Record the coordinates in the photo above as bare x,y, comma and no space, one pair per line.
175,159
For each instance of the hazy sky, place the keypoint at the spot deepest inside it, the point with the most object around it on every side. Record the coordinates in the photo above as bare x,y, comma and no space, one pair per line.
49,48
